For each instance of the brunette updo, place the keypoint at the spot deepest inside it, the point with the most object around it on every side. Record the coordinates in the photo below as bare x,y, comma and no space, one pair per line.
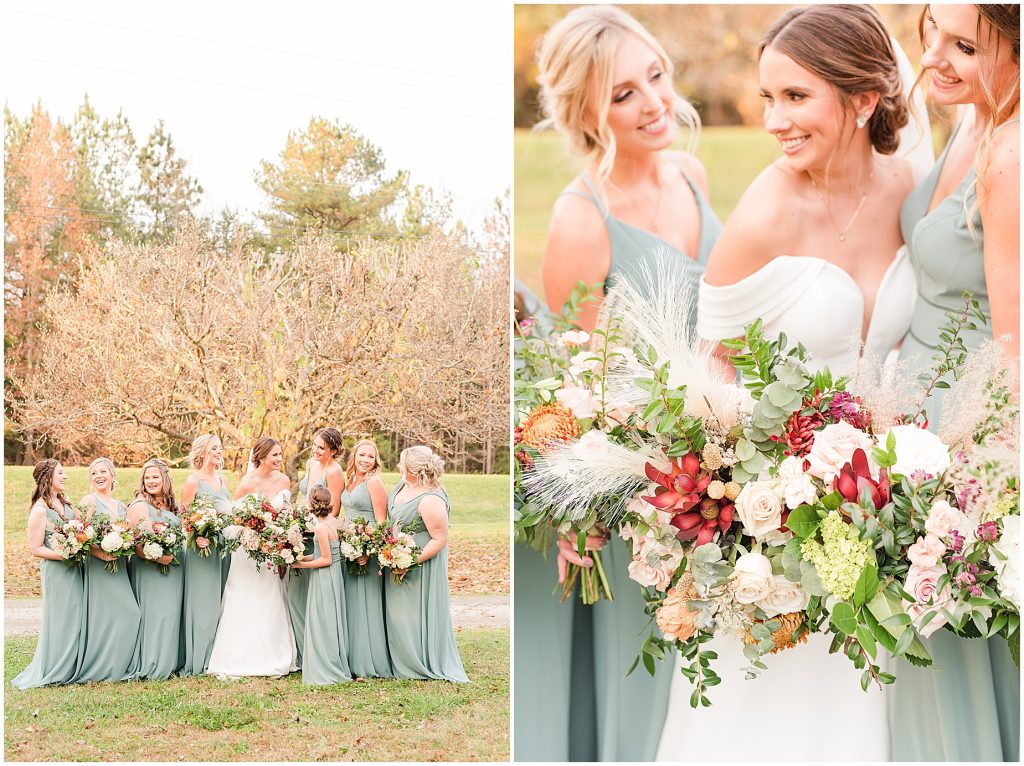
332,440
320,501
261,449
423,464
848,47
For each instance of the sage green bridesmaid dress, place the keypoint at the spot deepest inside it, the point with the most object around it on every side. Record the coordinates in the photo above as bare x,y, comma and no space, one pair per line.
968,708
573,700
56,655
204,578
160,598
326,634
297,586
364,601
421,639
109,642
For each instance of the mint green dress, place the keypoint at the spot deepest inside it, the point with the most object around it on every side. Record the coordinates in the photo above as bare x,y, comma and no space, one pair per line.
326,634
968,708
364,600
573,700
297,585
56,655
109,641
421,639
160,598
204,578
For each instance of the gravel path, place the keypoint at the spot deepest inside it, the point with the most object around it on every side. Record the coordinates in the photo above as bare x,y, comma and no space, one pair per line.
23,615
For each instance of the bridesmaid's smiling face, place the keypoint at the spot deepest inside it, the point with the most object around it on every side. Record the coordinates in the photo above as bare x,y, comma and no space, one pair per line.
365,458
641,112
100,478
60,477
802,111
214,453
320,450
957,57
153,481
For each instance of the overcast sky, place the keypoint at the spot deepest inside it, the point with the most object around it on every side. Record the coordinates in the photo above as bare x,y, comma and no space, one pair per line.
429,83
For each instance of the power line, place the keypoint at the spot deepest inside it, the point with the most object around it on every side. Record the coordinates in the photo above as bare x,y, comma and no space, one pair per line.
249,46
196,81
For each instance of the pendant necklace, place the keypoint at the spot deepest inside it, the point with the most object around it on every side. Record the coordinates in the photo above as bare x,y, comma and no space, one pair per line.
853,219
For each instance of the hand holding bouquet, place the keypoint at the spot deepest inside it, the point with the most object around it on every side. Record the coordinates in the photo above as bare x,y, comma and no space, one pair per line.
159,539
203,524
71,539
397,550
115,538
358,540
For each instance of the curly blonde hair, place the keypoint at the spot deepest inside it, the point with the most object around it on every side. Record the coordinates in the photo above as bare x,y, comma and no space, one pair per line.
423,464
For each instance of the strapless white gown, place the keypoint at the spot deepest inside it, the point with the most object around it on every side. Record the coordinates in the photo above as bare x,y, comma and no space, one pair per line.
808,704
254,635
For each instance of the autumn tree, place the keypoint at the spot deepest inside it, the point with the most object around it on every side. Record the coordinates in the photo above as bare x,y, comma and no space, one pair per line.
164,341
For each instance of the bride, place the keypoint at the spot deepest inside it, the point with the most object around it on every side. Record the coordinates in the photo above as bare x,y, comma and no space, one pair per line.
814,249
254,635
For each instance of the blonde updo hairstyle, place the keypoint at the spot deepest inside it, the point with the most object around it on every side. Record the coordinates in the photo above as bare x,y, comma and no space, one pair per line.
577,59
848,47
200,445
110,467
423,464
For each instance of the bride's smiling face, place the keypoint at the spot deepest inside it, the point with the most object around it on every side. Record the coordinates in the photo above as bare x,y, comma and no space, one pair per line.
275,458
641,113
802,111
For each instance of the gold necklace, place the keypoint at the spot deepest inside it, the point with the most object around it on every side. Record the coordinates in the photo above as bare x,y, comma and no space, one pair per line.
853,219
653,225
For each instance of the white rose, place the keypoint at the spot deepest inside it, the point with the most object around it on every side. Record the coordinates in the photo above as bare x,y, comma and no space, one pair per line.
786,597
795,485
250,540
759,507
288,556
640,571
752,579
112,541
944,518
584,361
152,551
573,338
348,551
580,400
918,450
1008,569
833,448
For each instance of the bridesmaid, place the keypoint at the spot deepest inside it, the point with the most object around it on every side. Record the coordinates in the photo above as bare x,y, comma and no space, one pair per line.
365,498
109,646
962,226
159,595
326,638
56,655
204,575
322,469
419,622
606,84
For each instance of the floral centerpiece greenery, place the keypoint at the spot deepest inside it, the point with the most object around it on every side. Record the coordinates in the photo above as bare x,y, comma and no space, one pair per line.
797,502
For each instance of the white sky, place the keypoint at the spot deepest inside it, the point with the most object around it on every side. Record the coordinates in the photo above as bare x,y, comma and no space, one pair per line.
429,83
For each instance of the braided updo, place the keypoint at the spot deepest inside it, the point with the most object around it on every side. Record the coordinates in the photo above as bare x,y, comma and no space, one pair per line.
422,464
848,47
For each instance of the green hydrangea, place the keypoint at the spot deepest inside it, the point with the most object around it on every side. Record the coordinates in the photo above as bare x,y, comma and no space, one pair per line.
1004,506
840,558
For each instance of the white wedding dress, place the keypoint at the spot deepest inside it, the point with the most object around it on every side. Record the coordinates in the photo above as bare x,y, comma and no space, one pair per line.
254,635
808,704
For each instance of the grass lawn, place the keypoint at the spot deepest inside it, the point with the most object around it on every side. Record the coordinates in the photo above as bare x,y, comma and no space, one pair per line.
733,156
206,719
479,537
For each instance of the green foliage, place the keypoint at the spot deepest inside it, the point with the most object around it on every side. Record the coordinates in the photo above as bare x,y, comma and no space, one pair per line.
166,194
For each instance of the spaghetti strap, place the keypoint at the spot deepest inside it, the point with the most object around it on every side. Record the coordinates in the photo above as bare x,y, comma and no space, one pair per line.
592,197
1000,127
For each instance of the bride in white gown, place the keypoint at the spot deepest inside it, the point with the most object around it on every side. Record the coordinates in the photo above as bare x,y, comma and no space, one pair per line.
254,635
813,249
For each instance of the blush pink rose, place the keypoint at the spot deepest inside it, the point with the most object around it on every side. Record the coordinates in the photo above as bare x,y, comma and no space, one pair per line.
833,448
926,552
922,584
944,518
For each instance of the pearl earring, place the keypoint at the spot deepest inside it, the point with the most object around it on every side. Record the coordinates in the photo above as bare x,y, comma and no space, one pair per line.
861,120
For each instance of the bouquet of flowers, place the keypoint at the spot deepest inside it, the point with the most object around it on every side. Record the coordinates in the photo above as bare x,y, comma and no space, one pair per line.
358,538
397,549
203,524
115,537
71,539
798,503
159,539
269,536
300,527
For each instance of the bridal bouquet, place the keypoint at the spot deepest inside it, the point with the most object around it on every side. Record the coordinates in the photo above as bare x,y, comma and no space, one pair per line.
358,538
71,539
397,549
159,539
260,530
203,524
798,503
115,537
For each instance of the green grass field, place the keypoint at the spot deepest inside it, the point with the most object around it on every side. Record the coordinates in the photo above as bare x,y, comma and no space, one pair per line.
479,537
206,719
733,156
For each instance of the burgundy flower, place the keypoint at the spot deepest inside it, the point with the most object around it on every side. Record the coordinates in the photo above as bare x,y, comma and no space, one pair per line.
799,434
681,491
988,532
846,406
856,475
